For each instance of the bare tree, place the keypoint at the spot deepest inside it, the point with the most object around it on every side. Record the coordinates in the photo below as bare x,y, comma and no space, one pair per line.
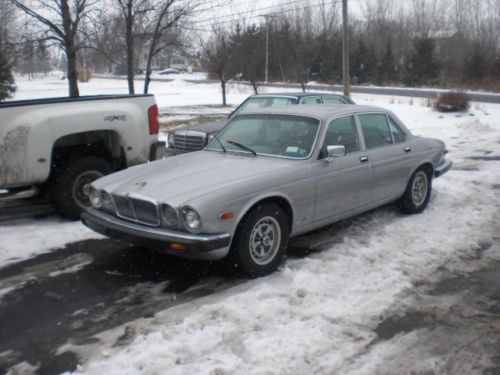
61,25
219,55
166,16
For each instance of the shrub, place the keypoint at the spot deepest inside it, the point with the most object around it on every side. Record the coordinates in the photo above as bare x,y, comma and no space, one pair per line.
452,102
84,75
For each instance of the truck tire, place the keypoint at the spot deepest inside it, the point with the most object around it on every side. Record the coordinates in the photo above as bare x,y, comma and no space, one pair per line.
261,241
66,188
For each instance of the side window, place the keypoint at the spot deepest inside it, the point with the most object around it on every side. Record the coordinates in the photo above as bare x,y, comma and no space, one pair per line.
311,100
397,134
375,129
342,132
333,100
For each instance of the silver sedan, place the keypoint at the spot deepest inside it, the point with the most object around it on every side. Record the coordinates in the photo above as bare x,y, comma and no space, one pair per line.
269,175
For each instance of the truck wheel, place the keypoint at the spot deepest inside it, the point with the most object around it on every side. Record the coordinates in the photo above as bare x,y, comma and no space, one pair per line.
66,188
418,192
261,240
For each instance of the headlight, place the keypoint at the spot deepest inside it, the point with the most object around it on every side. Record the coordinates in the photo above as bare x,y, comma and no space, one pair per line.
169,216
171,139
192,220
106,202
95,198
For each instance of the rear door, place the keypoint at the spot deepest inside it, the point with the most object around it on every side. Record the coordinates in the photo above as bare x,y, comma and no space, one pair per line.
345,183
388,152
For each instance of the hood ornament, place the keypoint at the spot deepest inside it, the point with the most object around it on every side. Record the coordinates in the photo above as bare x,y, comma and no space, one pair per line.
141,184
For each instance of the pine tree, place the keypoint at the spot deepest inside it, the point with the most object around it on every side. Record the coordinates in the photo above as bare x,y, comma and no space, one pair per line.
387,71
476,67
7,86
364,63
423,65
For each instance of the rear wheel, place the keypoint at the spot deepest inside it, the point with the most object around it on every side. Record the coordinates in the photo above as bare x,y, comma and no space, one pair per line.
418,192
67,187
261,240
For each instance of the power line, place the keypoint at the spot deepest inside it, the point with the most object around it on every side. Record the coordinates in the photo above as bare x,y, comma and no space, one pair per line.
266,8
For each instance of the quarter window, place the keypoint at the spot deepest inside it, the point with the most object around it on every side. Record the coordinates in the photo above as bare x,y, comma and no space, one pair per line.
397,134
375,130
333,100
342,132
312,100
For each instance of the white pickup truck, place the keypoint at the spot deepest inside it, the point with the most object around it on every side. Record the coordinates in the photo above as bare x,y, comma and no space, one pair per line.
56,146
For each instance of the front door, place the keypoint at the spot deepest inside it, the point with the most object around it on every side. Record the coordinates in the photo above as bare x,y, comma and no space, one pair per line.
344,183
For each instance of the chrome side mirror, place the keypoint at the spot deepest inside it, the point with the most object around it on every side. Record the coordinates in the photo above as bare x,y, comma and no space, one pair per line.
334,152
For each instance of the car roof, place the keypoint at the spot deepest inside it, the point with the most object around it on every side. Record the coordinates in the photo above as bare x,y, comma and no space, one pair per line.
299,94
317,111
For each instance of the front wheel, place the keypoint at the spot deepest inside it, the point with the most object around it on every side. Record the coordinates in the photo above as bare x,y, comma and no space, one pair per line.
261,240
67,187
418,192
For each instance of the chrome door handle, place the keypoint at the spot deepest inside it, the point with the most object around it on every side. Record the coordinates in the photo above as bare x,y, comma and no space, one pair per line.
363,159
407,149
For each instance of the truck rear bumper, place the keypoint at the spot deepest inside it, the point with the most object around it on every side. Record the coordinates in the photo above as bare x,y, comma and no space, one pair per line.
157,151
196,246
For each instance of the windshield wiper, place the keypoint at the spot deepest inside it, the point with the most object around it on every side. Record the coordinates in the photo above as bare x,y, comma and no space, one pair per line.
243,147
220,143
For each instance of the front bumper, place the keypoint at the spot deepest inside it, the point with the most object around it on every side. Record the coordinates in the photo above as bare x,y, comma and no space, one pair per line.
197,245
442,168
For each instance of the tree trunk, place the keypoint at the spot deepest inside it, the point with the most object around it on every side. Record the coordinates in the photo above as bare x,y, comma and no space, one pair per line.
72,74
129,40
254,86
223,86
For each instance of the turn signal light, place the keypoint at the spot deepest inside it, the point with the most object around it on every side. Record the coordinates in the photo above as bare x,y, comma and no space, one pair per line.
154,123
226,216
177,246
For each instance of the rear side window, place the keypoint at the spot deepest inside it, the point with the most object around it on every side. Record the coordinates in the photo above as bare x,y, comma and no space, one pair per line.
311,100
375,130
333,100
342,132
397,134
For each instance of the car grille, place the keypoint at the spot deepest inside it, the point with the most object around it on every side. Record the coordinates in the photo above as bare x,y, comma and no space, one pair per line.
137,210
184,142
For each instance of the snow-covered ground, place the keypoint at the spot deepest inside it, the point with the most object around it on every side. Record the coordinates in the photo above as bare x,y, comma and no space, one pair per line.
317,314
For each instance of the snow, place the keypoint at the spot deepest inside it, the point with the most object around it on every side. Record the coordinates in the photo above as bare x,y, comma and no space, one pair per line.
317,314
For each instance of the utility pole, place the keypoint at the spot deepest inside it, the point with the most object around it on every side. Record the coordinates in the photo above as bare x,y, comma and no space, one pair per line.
267,16
345,47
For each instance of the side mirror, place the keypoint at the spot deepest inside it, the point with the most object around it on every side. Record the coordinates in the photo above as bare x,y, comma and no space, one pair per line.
334,152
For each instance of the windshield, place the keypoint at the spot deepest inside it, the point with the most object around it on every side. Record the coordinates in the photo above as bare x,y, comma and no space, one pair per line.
265,101
274,135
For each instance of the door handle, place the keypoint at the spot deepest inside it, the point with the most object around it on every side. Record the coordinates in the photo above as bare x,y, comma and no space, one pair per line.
407,149
363,159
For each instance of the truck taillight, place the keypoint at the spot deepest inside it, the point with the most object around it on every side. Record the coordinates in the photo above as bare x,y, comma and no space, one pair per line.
154,123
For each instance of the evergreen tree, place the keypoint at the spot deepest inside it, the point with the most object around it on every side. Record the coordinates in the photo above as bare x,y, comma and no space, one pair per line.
364,63
423,65
387,67
475,68
7,86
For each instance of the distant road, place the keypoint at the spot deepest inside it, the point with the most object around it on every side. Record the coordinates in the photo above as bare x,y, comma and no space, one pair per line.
396,91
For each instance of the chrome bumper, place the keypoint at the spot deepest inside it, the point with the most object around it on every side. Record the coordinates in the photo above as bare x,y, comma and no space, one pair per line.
442,168
161,239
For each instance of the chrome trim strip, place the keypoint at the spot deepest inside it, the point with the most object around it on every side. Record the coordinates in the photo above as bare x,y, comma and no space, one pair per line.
168,235
190,133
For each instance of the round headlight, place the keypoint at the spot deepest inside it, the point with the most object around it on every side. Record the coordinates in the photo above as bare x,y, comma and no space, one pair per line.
106,202
169,216
192,219
95,198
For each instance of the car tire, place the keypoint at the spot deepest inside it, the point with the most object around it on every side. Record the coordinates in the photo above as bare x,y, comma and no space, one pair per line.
261,240
66,188
417,193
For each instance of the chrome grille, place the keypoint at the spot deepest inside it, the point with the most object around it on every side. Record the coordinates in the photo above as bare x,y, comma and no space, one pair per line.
137,210
185,142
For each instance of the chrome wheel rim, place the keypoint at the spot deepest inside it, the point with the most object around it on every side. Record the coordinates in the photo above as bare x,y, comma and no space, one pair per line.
419,188
83,179
265,240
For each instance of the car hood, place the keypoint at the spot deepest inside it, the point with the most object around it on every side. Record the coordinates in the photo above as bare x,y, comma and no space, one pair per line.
207,127
183,177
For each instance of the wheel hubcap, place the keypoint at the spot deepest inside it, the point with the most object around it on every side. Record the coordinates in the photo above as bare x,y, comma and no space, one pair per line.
78,187
265,240
419,188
